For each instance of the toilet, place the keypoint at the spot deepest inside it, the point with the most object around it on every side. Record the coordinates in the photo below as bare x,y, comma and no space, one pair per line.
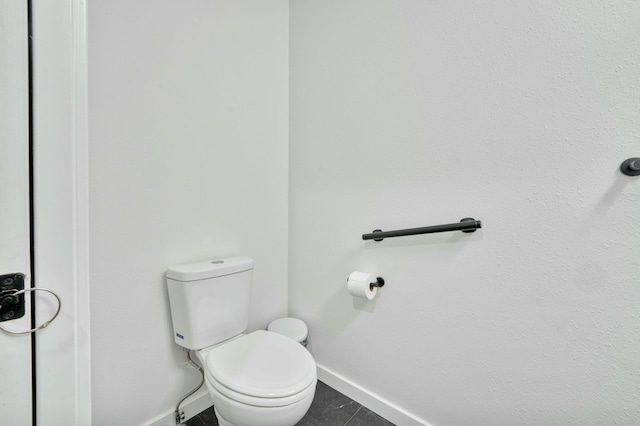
263,378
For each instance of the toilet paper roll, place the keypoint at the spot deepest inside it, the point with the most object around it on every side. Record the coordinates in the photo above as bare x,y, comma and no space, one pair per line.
360,285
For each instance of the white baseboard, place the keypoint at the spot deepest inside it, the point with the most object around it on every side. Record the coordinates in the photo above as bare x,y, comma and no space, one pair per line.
373,402
194,405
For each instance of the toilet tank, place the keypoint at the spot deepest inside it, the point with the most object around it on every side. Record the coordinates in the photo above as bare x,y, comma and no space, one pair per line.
209,300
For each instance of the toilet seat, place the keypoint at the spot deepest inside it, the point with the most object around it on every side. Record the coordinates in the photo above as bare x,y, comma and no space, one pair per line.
262,369
259,401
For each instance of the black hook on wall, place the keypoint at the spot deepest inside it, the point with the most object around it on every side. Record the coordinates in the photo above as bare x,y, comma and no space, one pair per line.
631,167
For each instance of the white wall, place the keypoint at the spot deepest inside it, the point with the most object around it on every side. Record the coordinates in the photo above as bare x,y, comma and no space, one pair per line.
61,204
188,112
414,113
403,114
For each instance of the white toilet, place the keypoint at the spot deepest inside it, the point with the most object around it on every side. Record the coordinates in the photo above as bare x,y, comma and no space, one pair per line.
258,379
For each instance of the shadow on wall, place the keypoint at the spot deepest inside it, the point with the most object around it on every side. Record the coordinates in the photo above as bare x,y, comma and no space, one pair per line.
348,310
607,201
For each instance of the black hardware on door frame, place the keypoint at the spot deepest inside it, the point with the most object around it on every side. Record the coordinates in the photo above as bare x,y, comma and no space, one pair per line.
11,305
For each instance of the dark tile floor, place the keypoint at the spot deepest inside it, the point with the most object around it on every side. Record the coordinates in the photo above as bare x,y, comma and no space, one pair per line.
329,408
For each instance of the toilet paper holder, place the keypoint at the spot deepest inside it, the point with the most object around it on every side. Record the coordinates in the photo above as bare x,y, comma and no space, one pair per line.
379,282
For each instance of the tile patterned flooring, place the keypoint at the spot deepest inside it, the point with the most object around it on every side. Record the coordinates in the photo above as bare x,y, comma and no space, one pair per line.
329,408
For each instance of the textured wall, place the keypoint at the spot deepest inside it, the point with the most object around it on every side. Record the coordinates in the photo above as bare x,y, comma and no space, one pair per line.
188,161
413,113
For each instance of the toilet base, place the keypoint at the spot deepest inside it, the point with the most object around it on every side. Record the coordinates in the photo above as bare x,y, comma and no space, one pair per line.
232,413
221,420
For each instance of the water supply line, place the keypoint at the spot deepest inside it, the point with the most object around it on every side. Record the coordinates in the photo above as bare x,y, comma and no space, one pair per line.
180,415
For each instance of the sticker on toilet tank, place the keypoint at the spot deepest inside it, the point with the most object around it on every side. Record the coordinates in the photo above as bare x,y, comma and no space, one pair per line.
180,336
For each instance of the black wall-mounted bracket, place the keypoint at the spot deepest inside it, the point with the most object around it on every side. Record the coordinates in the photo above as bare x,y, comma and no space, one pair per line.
631,167
378,283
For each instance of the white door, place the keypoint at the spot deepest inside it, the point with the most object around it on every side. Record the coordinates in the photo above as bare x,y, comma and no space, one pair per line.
15,351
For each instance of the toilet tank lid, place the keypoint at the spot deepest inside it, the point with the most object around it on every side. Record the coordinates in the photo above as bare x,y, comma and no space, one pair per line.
209,268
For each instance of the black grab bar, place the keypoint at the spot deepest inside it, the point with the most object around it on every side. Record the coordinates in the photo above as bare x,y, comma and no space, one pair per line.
468,224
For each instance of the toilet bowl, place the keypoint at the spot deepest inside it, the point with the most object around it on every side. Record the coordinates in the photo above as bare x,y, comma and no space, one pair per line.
261,378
